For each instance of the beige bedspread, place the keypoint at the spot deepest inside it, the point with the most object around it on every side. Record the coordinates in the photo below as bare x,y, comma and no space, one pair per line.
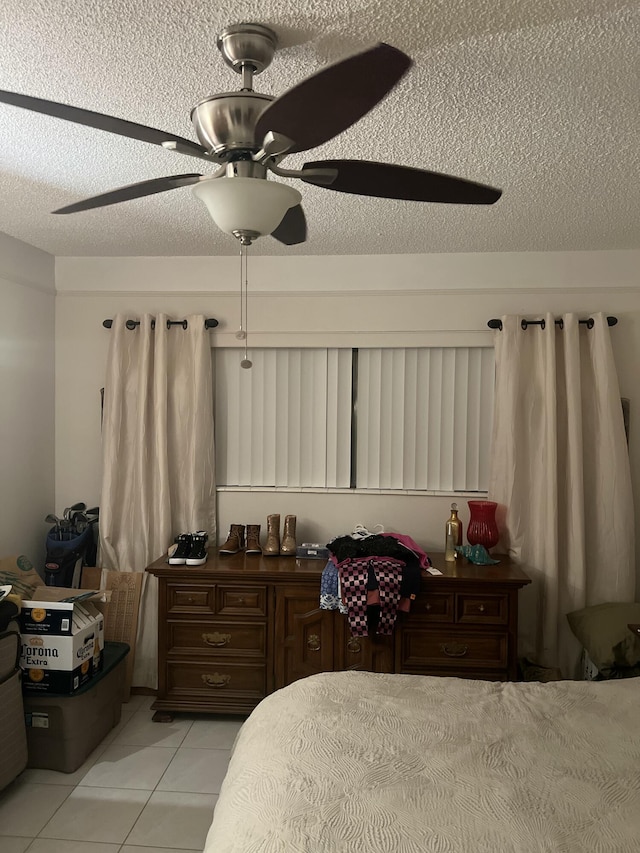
346,762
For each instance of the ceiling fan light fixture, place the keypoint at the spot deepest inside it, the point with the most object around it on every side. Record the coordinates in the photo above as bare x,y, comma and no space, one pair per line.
246,205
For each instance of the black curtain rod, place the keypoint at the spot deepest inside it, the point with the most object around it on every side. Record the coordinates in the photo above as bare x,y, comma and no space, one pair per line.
210,323
497,324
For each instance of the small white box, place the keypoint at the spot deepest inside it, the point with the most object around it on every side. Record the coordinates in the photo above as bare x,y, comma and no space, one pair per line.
589,669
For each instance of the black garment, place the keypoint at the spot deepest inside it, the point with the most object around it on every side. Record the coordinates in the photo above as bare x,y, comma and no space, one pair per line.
377,545
345,547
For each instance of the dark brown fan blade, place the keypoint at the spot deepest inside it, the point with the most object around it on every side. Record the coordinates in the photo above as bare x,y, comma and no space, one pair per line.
385,180
102,122
156,185
293,228
325,104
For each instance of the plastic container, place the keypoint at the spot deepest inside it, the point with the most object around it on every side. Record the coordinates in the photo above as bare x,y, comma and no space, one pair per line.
62,731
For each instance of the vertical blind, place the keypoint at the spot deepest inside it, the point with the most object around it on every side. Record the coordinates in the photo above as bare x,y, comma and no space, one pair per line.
284,422
421,418
424,418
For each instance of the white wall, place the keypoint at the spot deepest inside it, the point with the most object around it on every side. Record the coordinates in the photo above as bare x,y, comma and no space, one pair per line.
344,301
27,434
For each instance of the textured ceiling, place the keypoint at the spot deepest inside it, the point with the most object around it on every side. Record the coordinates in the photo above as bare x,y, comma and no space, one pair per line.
541,99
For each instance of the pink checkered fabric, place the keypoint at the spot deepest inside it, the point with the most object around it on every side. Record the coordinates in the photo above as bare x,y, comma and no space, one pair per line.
354,575
389,575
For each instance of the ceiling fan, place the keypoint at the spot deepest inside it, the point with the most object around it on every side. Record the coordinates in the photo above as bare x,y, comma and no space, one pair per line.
244,135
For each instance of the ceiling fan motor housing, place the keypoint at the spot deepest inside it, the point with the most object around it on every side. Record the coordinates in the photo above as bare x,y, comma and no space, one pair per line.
226,123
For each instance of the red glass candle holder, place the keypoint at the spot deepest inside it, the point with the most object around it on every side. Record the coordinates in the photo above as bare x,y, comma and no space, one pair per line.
483,529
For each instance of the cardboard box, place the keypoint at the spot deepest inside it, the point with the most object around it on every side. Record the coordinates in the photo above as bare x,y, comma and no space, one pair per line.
62,641
121,618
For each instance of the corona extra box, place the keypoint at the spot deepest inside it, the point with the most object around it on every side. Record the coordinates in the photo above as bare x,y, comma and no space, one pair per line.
62,633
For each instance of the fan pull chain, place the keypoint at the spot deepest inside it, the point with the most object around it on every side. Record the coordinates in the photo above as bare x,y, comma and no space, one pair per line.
241,334
246,362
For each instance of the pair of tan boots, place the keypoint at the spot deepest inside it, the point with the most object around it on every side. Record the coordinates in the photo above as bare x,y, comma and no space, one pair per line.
274,546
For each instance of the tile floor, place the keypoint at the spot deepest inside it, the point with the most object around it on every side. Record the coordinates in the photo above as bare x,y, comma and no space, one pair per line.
148,788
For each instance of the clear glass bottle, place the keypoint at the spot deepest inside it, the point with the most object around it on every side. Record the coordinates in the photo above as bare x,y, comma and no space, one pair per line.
453,534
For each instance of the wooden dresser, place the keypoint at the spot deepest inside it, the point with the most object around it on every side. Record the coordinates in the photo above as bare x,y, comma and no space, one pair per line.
239,627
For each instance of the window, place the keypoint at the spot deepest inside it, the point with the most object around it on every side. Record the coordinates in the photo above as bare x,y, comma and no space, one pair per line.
409,419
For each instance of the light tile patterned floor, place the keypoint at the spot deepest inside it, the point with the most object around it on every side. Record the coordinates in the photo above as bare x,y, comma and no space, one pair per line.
148,788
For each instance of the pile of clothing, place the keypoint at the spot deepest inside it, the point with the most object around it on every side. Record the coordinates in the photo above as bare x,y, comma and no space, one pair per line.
371,577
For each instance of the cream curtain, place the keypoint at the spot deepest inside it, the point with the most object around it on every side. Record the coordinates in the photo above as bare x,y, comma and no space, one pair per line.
158,455
560,471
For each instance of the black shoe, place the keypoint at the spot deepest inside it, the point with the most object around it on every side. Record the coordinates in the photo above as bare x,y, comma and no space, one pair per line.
198,554
184,544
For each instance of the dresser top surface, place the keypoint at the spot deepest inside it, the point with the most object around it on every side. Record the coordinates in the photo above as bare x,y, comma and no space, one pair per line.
242,565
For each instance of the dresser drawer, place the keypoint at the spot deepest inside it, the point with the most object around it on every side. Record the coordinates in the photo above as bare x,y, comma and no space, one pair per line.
190,598
217,638
481,609
459,649
241,600
213,680
434,607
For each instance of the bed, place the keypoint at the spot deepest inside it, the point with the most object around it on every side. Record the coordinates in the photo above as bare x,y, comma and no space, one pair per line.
356,761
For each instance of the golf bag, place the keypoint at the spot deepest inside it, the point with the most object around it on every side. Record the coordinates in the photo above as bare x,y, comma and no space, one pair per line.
71,544
64,558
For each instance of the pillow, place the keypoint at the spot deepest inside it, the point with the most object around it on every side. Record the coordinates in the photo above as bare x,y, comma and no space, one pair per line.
602,630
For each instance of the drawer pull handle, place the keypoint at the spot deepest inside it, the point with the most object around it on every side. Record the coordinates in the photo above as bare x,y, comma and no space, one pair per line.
454,650
241,601
427,607
190,599
216,639
354,645
313,643
216,680
481,608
